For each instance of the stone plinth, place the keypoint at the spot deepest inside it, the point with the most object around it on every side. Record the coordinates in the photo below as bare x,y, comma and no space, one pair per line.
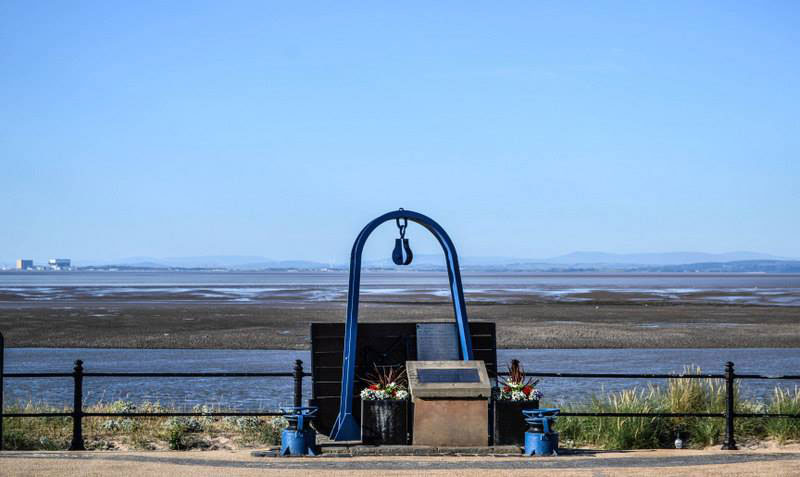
451,403
451,422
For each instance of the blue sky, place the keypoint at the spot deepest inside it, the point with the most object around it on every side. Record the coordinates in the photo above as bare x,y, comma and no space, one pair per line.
527,129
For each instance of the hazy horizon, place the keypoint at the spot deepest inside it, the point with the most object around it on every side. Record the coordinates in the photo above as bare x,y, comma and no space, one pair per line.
573,258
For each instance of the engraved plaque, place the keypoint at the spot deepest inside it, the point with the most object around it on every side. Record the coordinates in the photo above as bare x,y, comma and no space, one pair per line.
437,342
451,375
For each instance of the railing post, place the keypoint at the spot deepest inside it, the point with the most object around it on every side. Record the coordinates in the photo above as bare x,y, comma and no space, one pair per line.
298,383
77,409
730,440
2,370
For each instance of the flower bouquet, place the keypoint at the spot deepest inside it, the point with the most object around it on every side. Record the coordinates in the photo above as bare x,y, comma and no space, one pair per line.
384,407
518,387
514,394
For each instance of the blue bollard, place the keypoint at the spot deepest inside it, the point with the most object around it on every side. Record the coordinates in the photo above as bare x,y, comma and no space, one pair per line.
540,438
299,438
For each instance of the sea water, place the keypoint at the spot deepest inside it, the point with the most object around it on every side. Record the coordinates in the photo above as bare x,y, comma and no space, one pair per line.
269,393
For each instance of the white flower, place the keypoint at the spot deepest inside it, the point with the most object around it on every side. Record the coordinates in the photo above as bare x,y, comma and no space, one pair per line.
391,392
514,391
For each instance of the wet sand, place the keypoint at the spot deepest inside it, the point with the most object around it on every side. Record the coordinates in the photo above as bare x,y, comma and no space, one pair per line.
598,323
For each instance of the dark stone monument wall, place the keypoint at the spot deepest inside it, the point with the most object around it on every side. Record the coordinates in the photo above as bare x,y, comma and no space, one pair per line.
378,343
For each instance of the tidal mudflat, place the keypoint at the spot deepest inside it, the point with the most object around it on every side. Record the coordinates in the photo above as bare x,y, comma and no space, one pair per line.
272,310
519,325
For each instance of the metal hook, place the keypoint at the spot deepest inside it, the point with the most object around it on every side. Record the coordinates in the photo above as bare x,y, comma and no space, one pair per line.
402,227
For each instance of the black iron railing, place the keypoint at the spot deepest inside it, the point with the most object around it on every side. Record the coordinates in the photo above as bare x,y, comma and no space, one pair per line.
77,414
729,376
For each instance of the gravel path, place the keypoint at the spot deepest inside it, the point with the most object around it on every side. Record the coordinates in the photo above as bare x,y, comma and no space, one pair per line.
652,462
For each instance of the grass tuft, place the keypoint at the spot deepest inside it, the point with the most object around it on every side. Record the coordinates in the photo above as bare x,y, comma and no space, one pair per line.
145,433
784,402
680,395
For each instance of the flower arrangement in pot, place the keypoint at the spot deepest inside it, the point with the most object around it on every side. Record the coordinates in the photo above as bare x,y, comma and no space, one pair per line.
514,394
384,406
518,386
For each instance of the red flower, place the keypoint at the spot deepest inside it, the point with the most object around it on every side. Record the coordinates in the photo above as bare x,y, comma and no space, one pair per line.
373,387
527,390
506,389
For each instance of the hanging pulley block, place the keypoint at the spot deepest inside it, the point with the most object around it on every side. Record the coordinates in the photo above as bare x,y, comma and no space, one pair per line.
402,254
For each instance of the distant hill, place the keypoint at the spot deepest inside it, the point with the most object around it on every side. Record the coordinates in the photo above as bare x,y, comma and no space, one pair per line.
232,262
739,262
437,261
605,262
741,266
668,258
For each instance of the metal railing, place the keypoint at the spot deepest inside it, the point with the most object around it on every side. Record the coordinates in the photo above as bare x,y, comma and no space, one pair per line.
77,414
729,376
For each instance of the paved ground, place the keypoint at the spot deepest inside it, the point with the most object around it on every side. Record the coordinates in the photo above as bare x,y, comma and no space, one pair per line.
771,462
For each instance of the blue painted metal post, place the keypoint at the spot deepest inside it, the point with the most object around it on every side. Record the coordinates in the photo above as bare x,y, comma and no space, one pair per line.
345,428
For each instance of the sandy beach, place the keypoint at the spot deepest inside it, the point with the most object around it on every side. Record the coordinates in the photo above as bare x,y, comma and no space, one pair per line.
521,324
273,310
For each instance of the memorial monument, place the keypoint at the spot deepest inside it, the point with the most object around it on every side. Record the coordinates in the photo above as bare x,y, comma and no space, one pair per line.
437,353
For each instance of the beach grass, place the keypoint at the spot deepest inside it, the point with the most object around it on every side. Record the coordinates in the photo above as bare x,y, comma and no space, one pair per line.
784,402
139,433
680,395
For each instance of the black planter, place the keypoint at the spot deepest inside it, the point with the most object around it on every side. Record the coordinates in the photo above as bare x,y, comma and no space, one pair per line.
384,422
509,423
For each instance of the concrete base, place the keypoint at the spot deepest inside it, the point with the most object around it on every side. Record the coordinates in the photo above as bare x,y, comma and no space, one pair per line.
451,422
359,450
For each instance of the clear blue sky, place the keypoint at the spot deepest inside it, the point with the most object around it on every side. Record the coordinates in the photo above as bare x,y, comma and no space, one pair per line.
279,129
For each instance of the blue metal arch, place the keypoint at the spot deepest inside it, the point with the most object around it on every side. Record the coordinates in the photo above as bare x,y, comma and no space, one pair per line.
345,428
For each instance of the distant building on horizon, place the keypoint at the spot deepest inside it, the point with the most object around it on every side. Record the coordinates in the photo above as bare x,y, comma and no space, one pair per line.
23,264
59,263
